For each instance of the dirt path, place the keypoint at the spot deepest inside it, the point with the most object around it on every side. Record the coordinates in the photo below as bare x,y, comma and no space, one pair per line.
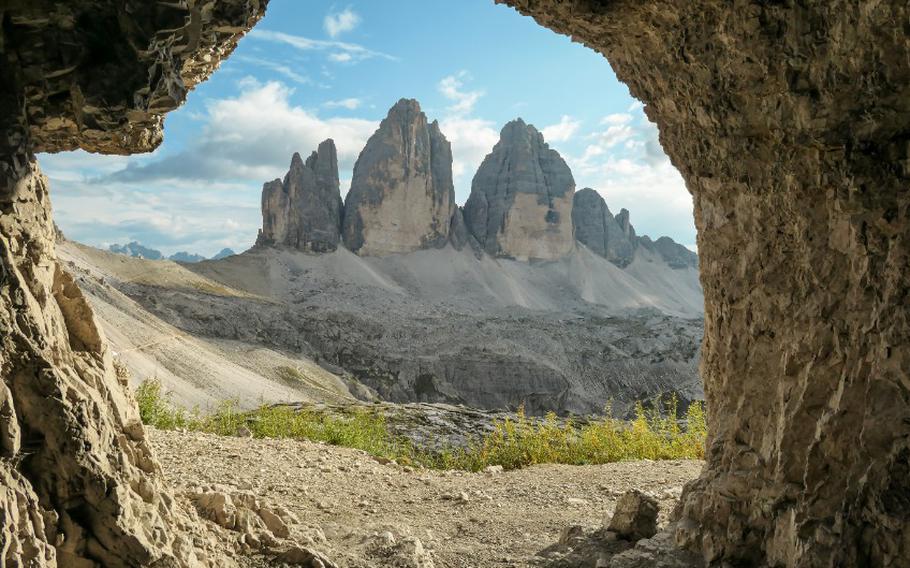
460,519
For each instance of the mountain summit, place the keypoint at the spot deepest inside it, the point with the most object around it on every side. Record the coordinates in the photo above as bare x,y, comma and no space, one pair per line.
402,197
304,210
521,198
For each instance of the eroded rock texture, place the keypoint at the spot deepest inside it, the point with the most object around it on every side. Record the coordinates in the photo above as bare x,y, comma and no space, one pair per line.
614,238
304,210
80,486
402,197
596,228
790,123
521,198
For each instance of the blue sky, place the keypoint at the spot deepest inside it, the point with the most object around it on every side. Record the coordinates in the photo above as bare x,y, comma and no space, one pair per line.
313,70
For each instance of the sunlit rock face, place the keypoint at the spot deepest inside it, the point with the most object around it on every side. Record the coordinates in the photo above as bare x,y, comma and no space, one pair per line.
790,123
521,198
303,211
81,486
402,197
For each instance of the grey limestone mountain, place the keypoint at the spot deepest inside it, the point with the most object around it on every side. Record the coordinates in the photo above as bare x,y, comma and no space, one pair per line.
521,198
303,211
184,256
402,197
614,238
224,253
135,249
673,253
596,228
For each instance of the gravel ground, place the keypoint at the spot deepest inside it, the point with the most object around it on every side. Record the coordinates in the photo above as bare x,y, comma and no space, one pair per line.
456,519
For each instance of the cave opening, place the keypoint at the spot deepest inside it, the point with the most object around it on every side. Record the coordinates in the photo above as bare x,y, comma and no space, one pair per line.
789,124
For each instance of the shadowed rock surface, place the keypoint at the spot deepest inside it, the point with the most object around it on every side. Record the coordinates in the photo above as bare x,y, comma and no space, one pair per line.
80,484
790,123
521,198
614,238
596,228
304,210
402,197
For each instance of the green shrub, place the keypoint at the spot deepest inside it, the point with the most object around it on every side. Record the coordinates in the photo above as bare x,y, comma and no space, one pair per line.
654,434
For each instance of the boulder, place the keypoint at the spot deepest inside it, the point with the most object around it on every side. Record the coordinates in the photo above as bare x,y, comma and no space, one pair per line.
635,517
521,198
402,197
306,557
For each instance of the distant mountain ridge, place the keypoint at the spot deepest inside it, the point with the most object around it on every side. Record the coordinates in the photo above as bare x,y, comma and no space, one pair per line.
137,250
523,204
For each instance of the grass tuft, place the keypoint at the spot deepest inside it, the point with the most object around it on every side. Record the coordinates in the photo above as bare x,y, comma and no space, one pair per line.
653,434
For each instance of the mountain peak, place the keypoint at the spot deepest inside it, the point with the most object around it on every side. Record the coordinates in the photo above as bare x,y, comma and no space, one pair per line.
304,210
521,198
402,197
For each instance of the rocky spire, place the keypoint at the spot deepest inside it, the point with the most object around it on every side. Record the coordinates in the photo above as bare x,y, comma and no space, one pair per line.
304,210
402,197
521,198
596,228
614,238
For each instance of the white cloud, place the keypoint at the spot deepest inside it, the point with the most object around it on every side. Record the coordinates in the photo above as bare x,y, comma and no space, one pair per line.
252,137
471,139
562,131
617,118
350,103
340,22
206,196
277,67
627,165
451,88
340,51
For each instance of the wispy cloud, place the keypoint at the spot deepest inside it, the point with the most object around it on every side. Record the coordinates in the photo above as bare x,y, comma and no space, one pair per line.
471,137
350,103
277,67
338,23
624,161
452,88
251,137
563,131
340,51
205,196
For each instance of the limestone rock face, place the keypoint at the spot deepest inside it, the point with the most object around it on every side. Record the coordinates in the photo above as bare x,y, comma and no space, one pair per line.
402,197
521,198
614,238
304,210
673,253
106,86
596,228
81,486
790,125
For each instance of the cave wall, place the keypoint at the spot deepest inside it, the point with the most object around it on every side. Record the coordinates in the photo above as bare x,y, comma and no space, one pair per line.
79,486
790,122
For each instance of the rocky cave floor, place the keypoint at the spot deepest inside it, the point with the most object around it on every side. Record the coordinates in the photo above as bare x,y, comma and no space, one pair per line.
268,497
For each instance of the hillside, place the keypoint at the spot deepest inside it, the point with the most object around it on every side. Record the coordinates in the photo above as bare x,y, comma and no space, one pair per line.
435,325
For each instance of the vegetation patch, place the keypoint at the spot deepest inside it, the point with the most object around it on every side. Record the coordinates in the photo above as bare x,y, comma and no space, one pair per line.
654,434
